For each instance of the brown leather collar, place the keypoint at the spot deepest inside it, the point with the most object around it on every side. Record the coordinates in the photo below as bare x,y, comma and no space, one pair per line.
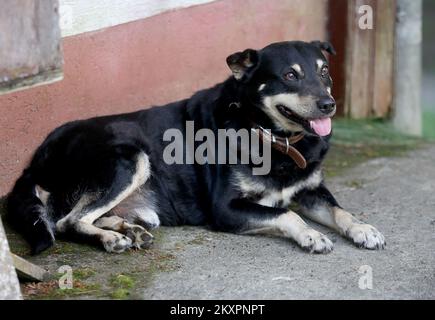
283,144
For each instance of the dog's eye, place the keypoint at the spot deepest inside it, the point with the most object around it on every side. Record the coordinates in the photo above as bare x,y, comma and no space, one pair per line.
291,76
324,72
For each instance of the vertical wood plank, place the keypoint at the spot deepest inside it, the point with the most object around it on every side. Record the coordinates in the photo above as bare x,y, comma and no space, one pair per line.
369,61
359,62
384,58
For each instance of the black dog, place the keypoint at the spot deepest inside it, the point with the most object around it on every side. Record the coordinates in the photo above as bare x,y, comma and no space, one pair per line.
106,179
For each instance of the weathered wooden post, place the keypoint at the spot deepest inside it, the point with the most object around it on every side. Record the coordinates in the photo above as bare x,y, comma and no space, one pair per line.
408,59
9,286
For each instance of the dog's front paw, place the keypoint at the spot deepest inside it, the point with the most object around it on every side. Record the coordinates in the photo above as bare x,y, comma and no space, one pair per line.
315,242
366,236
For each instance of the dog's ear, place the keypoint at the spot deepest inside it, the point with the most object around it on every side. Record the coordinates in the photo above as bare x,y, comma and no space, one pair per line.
325,46
241,63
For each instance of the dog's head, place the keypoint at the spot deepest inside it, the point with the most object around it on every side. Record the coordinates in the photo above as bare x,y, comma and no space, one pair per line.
289,82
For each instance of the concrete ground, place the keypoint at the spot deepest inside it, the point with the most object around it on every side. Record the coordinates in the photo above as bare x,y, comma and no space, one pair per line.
394,194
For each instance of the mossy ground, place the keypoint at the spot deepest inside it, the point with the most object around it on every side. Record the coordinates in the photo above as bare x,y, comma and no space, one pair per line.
356,141
99,275
95,273
429,124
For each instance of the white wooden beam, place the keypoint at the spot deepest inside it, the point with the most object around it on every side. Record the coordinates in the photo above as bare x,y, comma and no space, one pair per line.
79,16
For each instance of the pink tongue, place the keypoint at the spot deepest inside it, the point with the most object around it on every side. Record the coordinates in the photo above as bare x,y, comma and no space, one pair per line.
321,126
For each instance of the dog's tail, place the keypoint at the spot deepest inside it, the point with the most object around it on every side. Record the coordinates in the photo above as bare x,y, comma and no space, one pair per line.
28,215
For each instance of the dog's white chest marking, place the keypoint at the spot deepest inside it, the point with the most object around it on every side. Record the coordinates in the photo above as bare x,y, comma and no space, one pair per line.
272,197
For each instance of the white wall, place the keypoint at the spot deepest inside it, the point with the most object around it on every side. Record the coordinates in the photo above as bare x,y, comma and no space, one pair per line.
78,16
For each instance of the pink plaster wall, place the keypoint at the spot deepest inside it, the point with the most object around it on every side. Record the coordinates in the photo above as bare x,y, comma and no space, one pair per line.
147,62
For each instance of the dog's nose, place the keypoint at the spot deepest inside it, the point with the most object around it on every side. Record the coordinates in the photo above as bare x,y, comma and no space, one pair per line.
326,105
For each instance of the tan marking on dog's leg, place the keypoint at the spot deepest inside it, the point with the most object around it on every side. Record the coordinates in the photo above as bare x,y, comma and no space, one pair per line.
112,241
290,225
363,235
112,223
321,214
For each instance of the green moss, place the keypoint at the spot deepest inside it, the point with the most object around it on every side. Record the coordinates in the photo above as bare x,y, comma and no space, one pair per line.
83,274
120,294
429,125
84,290
122,285
122,281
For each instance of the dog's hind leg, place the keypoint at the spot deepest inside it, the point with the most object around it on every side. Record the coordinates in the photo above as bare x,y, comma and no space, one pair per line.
141,238
128,177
